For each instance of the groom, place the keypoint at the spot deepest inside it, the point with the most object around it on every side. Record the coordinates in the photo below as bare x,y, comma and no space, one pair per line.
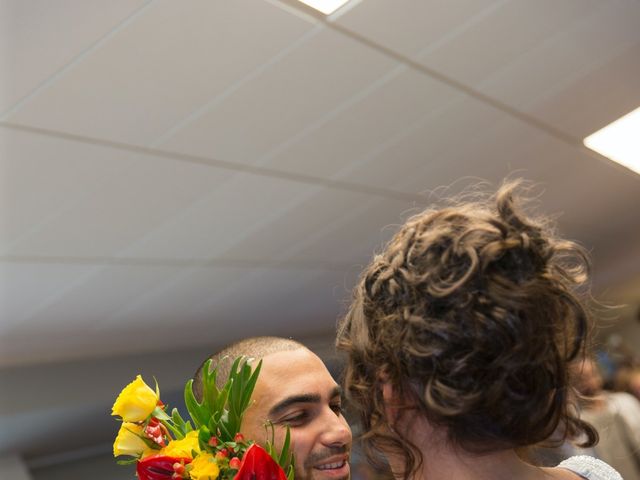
294,388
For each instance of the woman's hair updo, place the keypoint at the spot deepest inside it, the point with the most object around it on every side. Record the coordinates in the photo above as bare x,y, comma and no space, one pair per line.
471,314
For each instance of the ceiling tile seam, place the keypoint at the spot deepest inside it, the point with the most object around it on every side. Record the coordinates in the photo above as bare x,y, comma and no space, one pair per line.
44,302
333,113
464,89
462,28
105,261
461,87
75,61
216,163
576,74
396,139
126,310
231,89
256,227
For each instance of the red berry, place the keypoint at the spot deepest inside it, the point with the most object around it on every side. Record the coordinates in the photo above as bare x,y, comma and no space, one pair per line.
234,463
239,437
178,468
213,441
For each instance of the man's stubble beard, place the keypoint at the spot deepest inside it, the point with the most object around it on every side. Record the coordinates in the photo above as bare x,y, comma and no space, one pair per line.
306,471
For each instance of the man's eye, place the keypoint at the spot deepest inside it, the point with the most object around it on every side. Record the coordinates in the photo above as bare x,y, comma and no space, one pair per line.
337,408
295,419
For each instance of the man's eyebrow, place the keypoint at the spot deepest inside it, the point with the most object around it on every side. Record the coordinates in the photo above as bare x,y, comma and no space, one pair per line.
287,402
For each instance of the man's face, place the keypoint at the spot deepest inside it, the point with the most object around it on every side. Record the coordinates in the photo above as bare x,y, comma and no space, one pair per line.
295,389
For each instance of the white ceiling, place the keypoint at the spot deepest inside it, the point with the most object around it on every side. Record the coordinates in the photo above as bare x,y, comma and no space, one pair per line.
176,175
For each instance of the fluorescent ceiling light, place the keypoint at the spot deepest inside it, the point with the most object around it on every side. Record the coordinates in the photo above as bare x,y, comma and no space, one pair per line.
619,141
325,6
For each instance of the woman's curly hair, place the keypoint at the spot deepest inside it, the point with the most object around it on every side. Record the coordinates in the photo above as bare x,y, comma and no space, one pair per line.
472,314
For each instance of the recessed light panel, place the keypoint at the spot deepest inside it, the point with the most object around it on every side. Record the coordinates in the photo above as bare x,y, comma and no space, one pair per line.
619,141
325,6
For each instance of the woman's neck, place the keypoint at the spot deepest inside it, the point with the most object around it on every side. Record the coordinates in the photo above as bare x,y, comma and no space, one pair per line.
442,461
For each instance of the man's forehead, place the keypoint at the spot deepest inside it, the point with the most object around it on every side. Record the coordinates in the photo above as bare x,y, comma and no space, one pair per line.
292,372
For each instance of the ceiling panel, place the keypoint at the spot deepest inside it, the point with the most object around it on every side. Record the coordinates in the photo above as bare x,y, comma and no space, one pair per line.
220,218
39,38
493,41
424,148
43,176
560,67
178,297
343,141
598,98
120,210
162,67
409,27
26,288
589,41
351,237
316,211
278,301
264,115
89,304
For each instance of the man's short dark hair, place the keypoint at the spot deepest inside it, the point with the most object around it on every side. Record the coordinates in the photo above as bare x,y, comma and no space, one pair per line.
255,348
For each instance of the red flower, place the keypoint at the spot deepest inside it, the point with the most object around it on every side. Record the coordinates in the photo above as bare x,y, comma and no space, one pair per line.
154,431
257,464
158,467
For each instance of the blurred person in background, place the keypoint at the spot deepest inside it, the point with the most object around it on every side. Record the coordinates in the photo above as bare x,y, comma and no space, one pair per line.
616,416
627,379
459,339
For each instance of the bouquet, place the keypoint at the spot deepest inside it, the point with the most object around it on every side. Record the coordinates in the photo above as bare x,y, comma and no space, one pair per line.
208,445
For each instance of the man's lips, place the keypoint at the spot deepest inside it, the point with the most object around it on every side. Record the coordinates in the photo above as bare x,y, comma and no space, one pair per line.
332,463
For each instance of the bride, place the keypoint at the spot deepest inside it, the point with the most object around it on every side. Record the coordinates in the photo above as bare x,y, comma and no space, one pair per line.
459,337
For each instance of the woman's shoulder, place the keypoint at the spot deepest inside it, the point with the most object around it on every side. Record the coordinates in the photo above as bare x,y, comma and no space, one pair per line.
590,468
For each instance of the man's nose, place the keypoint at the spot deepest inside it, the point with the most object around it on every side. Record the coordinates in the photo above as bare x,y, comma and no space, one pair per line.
337,431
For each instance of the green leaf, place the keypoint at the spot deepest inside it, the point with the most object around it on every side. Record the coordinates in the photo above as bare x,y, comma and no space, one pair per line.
225,434
157,387
178,421
249,387
204,434
196,411
284,459
178,434
160,414
209,388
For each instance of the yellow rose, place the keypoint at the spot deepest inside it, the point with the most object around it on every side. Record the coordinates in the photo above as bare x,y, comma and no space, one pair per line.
182,448
204,467
136,402
128,441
